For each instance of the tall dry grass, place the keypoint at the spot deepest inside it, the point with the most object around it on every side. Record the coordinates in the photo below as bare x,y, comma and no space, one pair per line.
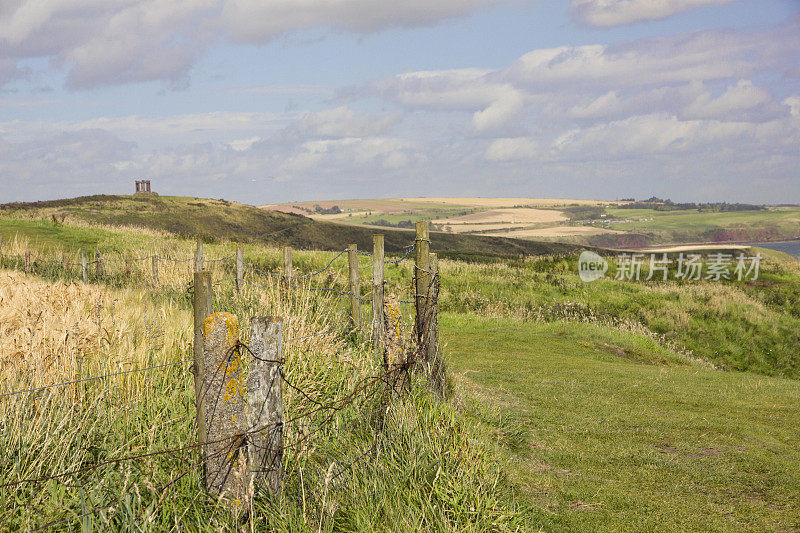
64,331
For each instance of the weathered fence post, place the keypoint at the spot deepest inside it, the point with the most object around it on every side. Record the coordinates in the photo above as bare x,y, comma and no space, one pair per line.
198,257
27,261
223,405
377,295
155,269
64,263
128,266
98,264
422,278
355,287
265,405
239,268
433,358
287,270
203,307
84,269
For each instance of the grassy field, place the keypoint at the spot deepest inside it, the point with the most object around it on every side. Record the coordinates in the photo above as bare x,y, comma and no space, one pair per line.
394,472
606,432
610,405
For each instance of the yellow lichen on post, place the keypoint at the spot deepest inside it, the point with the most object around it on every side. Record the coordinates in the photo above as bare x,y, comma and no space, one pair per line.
230,322
394,349
224,410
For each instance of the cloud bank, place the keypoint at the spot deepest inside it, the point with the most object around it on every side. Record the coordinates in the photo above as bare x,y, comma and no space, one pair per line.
112,42
606,13
706,115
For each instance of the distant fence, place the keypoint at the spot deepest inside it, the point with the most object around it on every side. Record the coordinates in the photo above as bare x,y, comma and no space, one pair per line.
244,431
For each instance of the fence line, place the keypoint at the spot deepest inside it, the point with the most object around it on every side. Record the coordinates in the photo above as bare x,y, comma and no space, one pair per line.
393,378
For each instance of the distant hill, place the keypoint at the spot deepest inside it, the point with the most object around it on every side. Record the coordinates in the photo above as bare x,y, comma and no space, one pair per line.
212,220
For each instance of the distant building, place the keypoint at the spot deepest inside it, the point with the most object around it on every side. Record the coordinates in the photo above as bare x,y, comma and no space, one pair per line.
143,188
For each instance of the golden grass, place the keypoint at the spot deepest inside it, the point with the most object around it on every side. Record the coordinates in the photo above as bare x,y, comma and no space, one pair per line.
60,331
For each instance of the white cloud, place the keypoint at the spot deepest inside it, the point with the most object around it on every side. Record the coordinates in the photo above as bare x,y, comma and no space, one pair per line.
738,98
606,13
108,42
465,89
242,145
794,105
644,135
512,148
342,122
257,21
602,106
500,112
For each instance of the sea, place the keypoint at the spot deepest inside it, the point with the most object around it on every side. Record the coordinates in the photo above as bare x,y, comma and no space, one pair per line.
790,247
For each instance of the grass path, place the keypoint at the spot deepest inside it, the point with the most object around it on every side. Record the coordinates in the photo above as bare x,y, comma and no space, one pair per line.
602,437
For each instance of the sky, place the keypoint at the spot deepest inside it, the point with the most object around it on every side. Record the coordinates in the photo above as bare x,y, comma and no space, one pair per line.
267,101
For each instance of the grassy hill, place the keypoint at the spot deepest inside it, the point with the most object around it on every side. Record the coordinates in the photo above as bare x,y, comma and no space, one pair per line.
612,405
214,220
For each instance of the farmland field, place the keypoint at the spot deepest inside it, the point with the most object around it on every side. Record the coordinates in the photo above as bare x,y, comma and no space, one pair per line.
588,222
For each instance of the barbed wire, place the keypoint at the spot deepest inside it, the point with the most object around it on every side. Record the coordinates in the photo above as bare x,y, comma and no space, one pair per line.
302,425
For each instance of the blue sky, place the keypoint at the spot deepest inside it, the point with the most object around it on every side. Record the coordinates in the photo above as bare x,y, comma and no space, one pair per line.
266,101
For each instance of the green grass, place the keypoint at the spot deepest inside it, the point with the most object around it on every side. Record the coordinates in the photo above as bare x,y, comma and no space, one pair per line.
421,465
602,441
576,406
775,223
752,325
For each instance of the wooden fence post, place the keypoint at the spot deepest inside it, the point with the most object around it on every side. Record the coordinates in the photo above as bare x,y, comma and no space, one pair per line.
355,286
203,307
64,263
288,271
155,269
99,264
433,358
239,268
128,266
27,261
377,295
84,269
198,257
265,405
223,405
422,264
287,262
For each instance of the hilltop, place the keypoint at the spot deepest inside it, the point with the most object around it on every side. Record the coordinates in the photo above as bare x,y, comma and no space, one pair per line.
214,220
